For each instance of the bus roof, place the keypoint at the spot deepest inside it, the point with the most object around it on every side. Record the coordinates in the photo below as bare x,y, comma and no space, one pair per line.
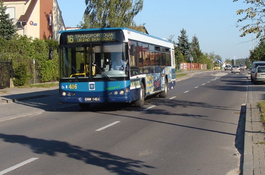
135,35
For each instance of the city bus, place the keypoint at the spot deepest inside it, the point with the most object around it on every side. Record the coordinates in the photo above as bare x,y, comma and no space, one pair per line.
88,75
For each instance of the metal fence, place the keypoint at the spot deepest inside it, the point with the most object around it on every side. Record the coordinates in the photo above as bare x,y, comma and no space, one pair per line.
6,72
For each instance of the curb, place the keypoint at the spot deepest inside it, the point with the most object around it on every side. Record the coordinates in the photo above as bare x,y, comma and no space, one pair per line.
8,100
247,157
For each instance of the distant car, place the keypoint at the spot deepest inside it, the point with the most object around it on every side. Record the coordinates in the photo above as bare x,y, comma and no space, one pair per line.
242,67
253,68
216,68
259,75
228,67
235,69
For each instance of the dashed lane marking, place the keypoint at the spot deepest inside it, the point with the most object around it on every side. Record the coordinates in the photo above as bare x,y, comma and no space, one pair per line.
150,107
18,165
107,126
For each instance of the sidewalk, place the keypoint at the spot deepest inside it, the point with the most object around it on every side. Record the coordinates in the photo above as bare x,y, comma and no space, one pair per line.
254,147
10,95
23,102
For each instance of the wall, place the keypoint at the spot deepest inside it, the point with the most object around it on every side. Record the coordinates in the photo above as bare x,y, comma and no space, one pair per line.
32,28
45,22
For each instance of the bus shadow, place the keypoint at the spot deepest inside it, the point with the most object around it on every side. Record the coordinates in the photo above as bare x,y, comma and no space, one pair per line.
112,163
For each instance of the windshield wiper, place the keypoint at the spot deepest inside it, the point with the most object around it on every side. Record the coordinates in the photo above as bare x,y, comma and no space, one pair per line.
101,72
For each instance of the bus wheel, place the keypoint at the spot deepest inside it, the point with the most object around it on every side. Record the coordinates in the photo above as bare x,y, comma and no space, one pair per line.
140,103
84,105
164,93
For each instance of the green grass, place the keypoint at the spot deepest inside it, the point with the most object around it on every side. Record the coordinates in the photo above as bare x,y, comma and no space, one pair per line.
262,143
179,75
41,85
261,105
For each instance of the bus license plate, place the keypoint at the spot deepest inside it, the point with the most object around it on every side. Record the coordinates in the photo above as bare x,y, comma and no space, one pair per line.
92,98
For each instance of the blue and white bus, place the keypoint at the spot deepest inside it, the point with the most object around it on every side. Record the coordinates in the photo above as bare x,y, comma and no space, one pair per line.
88,75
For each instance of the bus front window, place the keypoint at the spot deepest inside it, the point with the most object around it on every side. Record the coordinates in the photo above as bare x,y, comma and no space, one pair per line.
107,61
110,61
74,62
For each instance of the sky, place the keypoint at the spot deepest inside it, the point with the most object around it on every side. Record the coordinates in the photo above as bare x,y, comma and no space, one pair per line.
213,22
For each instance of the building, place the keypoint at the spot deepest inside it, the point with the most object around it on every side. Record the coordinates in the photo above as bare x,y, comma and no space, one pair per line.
36,18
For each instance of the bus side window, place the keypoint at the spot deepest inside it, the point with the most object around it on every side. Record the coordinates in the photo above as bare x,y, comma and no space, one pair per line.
134,70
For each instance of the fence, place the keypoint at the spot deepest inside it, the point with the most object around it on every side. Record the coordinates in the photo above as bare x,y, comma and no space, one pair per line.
6,72
192,66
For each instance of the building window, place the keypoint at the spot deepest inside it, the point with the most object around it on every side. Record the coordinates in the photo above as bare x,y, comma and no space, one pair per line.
11,12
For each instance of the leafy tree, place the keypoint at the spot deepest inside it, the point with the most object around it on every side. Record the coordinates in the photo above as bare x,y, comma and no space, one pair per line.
195,50
206,60
110,13
179,58
255,13
7,28
184,45
228,61
258,54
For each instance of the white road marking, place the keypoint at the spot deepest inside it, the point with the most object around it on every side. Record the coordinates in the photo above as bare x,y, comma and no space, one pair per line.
186,92
172,97
203,84
196,87
150,107
18,165
107,126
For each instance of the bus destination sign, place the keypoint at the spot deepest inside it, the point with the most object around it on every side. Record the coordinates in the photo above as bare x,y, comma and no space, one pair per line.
91,37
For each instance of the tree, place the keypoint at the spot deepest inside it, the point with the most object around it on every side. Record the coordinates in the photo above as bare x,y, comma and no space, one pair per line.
7,28
195,50
184,45
258,54
110,13
255,13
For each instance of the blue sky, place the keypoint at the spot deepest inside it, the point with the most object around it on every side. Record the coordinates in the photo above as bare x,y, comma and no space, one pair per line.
212,21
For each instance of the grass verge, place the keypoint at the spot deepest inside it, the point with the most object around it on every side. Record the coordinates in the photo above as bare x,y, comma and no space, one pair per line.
41,85
179,75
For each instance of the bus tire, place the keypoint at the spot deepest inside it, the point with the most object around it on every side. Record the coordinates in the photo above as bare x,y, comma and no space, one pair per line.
165,92
140,103
84,105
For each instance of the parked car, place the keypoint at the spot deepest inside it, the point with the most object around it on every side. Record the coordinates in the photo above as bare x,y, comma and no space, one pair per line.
259,75
253,68
235,69
228,67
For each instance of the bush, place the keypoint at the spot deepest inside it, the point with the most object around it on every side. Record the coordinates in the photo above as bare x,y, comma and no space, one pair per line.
21,75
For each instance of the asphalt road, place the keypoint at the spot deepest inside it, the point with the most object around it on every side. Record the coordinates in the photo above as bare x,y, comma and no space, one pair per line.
196,130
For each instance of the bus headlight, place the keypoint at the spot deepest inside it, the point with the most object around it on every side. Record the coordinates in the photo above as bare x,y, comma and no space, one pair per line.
122,92
127,90
116,93
64,94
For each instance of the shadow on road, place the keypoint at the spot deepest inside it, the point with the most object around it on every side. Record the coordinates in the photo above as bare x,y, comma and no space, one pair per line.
112,163
239,140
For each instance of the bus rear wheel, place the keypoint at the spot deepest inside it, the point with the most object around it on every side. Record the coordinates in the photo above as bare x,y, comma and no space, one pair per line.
140,103
165,92
84,105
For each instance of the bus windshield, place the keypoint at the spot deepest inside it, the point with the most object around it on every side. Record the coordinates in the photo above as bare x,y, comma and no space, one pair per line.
93,61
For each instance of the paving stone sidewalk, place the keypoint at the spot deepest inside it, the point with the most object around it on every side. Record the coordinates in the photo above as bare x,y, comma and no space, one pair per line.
254,147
